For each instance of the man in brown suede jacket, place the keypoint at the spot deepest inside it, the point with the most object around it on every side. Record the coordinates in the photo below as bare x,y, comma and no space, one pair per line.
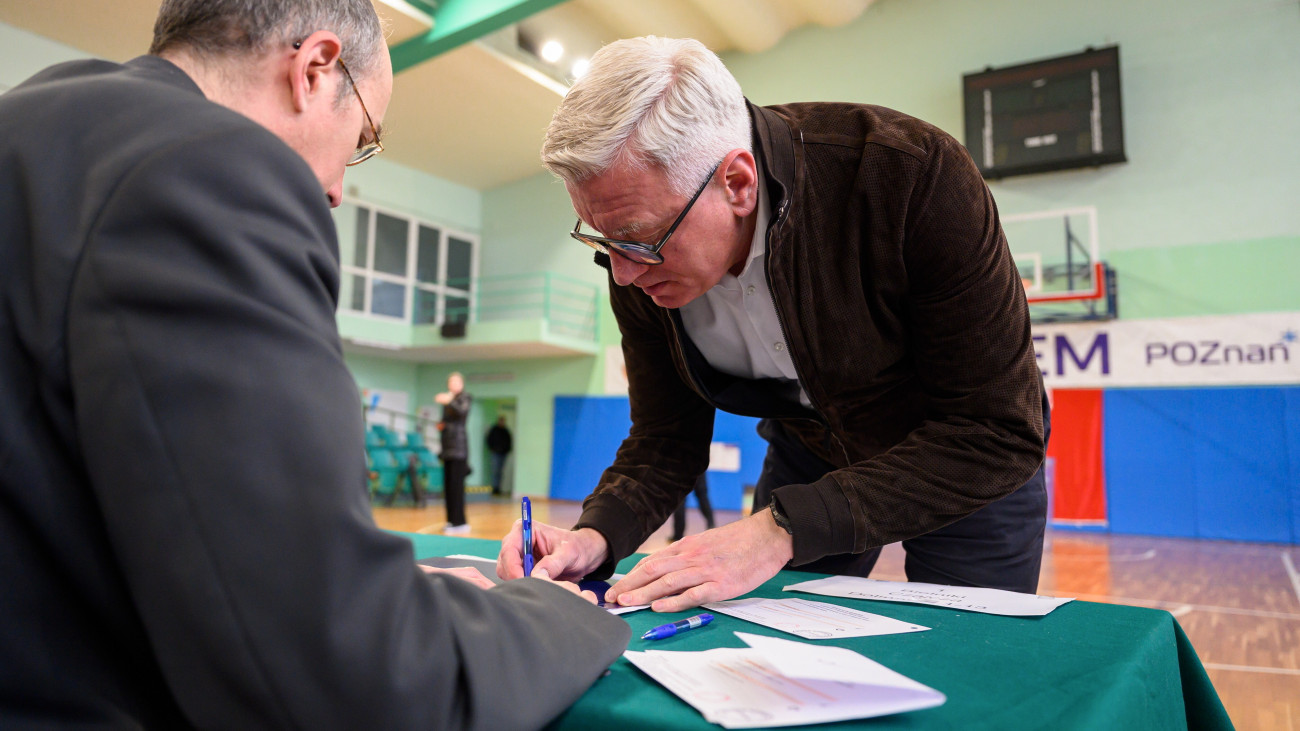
836,269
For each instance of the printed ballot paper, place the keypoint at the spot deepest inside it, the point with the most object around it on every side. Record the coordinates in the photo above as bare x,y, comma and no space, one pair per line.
988,601
812,620
778,682
488,567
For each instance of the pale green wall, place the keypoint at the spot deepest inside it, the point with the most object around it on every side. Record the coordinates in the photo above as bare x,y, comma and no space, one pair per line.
418,194
1225,278
22,54
390,375
1211,95
526,227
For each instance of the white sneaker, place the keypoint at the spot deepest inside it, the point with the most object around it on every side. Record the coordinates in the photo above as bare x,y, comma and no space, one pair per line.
456,530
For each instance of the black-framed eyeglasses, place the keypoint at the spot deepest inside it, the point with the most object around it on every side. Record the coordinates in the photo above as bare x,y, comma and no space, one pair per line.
369,149
635,250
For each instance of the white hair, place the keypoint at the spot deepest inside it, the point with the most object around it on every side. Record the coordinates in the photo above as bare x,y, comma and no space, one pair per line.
649,101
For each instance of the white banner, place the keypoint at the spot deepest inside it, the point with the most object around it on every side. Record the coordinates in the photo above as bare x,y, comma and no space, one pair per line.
1225,350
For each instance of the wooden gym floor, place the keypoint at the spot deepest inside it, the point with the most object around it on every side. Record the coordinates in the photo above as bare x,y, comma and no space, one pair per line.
1238,602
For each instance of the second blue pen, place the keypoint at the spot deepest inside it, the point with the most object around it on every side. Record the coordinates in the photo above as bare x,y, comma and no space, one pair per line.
681,625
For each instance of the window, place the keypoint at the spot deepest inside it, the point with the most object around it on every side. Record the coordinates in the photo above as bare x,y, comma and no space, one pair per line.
402,268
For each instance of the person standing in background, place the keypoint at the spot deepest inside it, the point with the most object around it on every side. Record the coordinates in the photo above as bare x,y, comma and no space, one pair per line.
706,509
455,451
499,445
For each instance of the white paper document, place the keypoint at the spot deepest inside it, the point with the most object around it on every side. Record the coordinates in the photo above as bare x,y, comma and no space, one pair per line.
488,567
988,601
778,682
813,620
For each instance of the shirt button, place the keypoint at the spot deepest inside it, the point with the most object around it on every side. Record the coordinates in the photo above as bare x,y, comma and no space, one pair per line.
749,290
779,346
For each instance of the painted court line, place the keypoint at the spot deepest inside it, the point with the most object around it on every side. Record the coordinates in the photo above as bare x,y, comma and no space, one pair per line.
1251,669
1145,556
1179,605
1290,570
1183,610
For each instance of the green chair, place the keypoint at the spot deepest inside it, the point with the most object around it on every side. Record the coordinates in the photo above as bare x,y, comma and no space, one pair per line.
385,472
428,465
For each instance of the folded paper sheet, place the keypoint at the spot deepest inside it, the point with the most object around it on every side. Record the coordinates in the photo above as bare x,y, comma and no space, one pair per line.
488,567
812,620
779,682
987,601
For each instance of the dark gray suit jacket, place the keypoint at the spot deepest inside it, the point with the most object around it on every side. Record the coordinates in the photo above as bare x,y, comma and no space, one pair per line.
184,535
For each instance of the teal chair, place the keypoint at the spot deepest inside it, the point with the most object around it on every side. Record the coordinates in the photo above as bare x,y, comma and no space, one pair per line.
428,466
385,472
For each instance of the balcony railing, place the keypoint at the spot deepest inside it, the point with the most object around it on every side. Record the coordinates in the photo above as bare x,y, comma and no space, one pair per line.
566,305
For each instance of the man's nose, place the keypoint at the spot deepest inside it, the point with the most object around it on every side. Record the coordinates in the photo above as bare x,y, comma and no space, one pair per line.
625,270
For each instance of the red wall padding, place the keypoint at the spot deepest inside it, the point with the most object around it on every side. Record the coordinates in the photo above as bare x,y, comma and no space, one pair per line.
1079,482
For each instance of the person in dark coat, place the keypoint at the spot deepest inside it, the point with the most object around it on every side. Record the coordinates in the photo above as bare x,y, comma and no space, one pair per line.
455,451
182,541
499,444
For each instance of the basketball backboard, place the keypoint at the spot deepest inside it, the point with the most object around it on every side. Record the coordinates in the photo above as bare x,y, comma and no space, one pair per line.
1058,254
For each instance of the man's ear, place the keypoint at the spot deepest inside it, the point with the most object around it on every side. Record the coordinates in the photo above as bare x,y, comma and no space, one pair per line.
740,174
314,64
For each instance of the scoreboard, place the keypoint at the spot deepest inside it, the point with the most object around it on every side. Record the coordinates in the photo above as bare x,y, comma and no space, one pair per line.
1053,114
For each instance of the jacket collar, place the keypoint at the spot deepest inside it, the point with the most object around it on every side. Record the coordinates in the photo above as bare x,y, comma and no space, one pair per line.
160,69
774,145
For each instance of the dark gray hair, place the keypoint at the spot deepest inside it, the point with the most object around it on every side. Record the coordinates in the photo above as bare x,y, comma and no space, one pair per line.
233,27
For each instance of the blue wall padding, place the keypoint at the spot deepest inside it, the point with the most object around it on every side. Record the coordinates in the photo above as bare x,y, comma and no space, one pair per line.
589,430
727,489
1292,425
1204,463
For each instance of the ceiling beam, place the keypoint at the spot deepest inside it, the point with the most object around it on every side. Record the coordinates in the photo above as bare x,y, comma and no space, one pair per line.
456,22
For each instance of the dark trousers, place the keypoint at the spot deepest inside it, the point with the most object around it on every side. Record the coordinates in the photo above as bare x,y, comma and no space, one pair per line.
706,509
999,546
454,472
498,470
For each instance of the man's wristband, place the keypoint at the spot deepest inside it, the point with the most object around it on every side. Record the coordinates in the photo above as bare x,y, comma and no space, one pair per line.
779,516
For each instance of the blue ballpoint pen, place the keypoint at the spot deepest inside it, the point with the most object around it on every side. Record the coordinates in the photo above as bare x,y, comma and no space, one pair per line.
681,625
528,537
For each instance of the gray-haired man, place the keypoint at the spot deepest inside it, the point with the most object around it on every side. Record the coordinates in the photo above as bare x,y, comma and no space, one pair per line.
837,269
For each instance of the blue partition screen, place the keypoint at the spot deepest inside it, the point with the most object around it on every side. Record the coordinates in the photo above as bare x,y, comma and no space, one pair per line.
589,430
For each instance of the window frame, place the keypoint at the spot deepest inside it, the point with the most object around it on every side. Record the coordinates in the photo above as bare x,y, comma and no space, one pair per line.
411,282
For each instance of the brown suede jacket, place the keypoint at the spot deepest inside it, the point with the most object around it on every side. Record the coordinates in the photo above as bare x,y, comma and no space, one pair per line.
907,323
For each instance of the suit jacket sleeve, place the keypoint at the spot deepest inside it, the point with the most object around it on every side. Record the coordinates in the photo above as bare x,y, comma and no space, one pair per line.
223,436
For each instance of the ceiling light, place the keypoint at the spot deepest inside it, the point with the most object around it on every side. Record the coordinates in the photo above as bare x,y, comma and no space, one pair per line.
580,68
552,51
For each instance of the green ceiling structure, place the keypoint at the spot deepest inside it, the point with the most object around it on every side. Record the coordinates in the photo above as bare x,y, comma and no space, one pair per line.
456,22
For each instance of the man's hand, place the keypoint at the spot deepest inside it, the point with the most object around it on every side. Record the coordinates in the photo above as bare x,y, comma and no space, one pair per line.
560,554
590,596
476,577
709,567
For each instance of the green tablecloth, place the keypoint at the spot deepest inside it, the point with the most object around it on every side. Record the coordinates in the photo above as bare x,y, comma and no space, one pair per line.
1084,666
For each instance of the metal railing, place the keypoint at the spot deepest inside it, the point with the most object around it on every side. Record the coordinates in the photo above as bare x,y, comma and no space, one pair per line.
567,305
